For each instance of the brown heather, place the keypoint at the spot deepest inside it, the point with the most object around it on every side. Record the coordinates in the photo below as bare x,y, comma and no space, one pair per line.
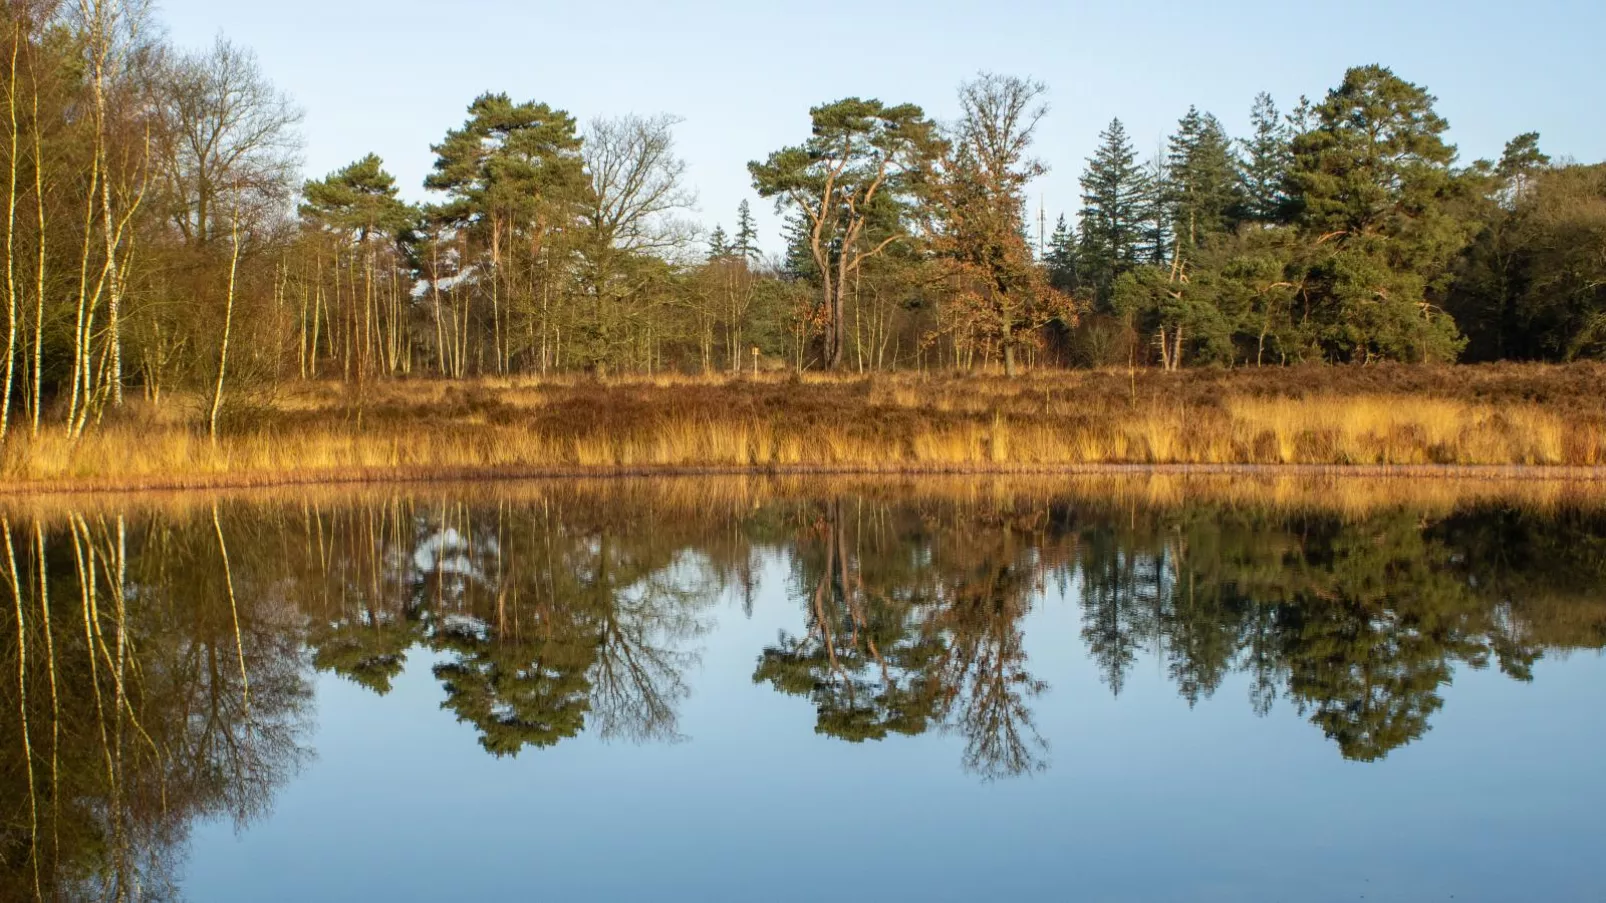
1513,419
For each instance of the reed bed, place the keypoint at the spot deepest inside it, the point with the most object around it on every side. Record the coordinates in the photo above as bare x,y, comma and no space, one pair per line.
1505,417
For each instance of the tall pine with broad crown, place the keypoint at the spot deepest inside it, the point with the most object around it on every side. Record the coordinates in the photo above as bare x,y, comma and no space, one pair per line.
1265,165
1376,193
1113,189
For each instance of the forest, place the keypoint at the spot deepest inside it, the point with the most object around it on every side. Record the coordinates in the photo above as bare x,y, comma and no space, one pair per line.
162,242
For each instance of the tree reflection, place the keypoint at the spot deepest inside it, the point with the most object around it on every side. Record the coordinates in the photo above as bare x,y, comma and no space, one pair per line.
137,715
548,617
160,666
910,629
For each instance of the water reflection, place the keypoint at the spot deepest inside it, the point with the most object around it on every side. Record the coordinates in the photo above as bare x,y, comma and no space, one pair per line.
161,661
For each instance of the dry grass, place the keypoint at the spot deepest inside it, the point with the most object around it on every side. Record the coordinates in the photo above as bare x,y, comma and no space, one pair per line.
1505,416
721,499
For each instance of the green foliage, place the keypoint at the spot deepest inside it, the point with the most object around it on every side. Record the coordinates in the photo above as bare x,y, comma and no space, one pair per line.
856,184
1113,189
509,164
718,244
1266,156
745,244
359,200
1201,186
1063,258
1533,285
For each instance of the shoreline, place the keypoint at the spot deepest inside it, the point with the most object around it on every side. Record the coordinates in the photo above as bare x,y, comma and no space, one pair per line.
401,476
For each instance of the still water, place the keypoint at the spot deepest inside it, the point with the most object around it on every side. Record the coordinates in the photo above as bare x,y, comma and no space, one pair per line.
745,692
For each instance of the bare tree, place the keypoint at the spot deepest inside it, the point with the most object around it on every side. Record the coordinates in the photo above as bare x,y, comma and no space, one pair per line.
637,184
999,115
1001,293
230,143
629,217
114,40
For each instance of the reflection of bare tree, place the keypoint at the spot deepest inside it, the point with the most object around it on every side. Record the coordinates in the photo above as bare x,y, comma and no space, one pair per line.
145,702
991,573
553,617
638,680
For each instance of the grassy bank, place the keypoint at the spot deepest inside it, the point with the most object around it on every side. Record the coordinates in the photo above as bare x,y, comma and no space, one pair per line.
1503,416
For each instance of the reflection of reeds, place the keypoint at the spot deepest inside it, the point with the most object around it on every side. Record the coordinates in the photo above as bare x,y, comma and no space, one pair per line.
1397,417
722,498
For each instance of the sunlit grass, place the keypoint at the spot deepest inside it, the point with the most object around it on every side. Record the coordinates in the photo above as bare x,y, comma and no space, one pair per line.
888,424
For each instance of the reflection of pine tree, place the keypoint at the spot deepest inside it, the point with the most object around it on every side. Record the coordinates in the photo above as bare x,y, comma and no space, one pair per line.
862,664
370,651
1370,641
1113,622
517,691
1202,624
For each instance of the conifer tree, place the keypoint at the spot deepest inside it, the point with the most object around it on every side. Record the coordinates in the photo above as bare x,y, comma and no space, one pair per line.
746,244
1201,181
1155,217
1377,196
1061,259
1265,165
1112,197
718,244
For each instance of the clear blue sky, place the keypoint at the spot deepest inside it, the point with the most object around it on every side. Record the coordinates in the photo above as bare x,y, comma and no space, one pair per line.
391,76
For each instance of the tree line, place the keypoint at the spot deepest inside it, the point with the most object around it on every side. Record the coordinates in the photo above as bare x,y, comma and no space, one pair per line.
160,240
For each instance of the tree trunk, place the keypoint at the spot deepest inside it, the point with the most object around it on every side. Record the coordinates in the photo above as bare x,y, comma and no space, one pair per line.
228,324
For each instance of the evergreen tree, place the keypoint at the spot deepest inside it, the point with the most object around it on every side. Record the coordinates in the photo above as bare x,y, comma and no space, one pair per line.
746,244
1376,195
1265,165
1201,180
719,245
1519,164
359,200
1061,259
1112,196
1155,217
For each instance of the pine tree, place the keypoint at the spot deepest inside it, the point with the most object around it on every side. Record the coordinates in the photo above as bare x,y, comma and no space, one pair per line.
1376,192
1112,197
1265,165
746,245
1519,164
1061,258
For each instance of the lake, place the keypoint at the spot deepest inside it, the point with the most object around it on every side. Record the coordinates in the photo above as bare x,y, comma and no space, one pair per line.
768,690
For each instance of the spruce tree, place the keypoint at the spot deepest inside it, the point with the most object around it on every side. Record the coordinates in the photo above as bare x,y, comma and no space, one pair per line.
719,245
1265,165
746,244
1155,241
1061,259
1201,180
1113,189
